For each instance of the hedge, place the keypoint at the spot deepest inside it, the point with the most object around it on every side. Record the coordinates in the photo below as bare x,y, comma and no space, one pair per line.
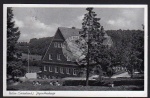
80,83
138,82
116,82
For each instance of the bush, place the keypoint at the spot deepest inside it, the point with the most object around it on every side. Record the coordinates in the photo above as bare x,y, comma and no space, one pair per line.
15,68
81,82
105,82
138,82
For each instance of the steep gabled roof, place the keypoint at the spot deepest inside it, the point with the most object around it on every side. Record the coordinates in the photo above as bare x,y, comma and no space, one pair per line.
68,32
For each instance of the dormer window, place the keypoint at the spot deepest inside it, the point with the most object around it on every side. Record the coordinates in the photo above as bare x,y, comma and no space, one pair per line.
50,56
58,56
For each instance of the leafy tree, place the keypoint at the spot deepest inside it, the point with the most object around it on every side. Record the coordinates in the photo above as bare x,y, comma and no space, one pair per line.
132,55
127,50
13,35
93,34
138,42
36,46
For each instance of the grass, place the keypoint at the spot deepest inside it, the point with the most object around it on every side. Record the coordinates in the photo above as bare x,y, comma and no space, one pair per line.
45,86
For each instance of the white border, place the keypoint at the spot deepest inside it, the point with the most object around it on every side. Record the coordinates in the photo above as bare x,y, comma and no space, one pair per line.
79,93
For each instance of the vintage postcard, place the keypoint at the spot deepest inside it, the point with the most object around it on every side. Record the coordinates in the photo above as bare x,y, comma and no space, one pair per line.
68,50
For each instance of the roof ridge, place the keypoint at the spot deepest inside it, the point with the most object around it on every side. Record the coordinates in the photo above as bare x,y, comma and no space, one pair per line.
69,28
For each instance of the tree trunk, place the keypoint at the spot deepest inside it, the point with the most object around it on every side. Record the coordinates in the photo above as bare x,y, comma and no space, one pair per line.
87,67
87,75
132,72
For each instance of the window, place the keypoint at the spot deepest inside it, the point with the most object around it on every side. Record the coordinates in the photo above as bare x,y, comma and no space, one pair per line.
58,56
45,68
68,59
59,45
67,70
50,56
55,44
74,72
61,70
117,68
56,69
50,69
122,68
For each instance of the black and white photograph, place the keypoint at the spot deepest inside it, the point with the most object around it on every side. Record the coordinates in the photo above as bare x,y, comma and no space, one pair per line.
75,50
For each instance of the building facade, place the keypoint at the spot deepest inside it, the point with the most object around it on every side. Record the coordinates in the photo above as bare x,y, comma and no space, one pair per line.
54,63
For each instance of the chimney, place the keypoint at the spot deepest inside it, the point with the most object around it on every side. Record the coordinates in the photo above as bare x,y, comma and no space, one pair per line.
73,27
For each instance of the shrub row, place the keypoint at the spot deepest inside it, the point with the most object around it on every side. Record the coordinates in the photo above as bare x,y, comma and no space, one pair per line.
81,83
119,82
138,82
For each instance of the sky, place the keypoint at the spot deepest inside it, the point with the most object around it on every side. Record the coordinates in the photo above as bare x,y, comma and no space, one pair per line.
43,22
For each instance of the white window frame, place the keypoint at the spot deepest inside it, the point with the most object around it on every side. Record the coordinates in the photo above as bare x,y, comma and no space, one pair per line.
59,45
50,57
50,69
45,68
74,72
67,71
58,57
56,71
61,70
122,68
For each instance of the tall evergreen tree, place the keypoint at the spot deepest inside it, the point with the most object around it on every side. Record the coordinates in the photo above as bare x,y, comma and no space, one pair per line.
93,34
14,66
13,35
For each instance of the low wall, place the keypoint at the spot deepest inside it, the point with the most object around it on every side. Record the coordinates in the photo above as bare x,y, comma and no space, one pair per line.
31,75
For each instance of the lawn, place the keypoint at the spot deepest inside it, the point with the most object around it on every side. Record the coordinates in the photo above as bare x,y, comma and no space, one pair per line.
29,86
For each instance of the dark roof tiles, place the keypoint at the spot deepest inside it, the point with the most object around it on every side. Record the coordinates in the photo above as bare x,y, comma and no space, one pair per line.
68,32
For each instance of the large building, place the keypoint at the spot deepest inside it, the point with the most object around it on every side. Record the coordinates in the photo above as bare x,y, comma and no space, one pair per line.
54,63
